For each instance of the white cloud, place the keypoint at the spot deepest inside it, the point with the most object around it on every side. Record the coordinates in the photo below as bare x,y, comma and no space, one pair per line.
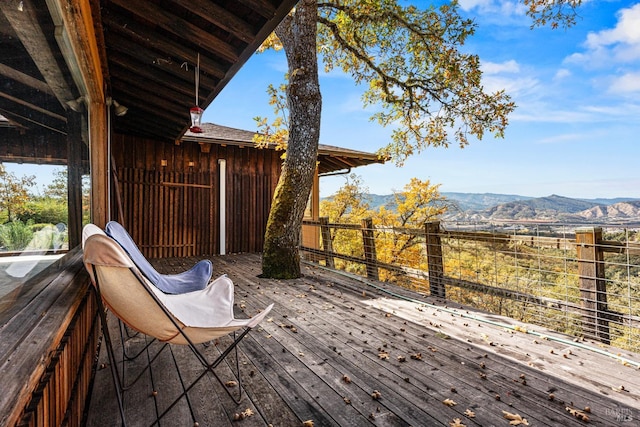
617,45
562,73
517,87
510,66
546,114
626,84
499,75
496,8
627,30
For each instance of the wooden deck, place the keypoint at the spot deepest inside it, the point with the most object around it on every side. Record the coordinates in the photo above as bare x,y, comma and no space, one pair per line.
332,343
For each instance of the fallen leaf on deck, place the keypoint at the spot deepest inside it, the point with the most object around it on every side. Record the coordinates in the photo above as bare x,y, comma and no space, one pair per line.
515,419
383,355
307,423
416,356
346,379
376,395
578,414
469,413
231,383
457,422
449,402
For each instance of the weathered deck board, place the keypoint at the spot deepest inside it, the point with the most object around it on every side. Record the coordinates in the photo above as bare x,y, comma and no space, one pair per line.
326,326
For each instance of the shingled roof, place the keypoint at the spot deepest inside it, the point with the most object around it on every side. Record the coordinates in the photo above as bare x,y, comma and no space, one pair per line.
331,158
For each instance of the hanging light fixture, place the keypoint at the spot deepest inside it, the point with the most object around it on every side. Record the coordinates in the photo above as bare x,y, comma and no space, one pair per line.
196,112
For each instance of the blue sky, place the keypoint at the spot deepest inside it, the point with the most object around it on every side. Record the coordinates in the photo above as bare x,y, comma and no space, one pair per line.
574,132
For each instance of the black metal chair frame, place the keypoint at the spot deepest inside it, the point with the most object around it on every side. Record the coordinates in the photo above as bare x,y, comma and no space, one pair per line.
208,367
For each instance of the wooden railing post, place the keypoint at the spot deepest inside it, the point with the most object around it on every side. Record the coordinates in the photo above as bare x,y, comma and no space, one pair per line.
593,288
369,243
327,246
434,259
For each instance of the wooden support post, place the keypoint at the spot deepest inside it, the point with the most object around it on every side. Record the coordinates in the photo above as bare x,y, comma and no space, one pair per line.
435,261
98,144
369,243
593,288
327,245
75,148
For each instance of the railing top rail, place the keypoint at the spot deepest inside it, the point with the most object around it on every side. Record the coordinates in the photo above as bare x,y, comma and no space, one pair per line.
568,238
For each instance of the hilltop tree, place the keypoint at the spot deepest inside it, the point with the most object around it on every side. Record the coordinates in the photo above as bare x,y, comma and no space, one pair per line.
418,203
14,192
411,60
57,189
350,201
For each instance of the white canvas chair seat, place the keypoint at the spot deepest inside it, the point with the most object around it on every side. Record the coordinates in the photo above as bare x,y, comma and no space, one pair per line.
187,319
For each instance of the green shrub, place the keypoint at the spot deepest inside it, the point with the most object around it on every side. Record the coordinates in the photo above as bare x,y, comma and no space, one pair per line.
15,235
45,211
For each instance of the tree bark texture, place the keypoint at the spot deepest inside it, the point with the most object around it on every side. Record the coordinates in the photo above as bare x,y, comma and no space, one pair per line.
281,257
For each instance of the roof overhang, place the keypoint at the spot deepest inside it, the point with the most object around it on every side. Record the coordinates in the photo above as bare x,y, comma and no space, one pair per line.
331,159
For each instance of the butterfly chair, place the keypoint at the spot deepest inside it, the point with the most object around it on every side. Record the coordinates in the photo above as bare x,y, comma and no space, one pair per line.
185,319
193,279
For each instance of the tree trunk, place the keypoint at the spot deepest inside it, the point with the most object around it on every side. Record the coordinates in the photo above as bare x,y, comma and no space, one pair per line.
281,257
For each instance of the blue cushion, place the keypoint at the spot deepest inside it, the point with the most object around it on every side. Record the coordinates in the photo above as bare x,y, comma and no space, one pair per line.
191,280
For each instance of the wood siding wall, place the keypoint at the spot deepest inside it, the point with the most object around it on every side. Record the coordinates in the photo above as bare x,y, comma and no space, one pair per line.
33,147
168,196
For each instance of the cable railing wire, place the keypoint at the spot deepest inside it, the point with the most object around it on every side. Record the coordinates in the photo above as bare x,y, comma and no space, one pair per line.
542,274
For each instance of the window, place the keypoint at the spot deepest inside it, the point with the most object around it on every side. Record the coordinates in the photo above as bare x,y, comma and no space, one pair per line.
35,210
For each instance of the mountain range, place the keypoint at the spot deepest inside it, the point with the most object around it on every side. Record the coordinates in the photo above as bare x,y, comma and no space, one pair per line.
553,208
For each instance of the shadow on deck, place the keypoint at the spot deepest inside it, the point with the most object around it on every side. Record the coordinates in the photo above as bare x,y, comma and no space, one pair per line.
332,342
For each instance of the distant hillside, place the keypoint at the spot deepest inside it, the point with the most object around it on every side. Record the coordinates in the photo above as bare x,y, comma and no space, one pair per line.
539,208
491,206
461,201
480,201
618,211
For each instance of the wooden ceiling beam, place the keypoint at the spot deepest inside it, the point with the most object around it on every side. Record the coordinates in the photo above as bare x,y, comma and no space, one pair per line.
144,127
25,79
25,119
138,106
23,17
162,45
220,17
262,7
180,28
125,65
143,89
148,97
32,106
150,60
